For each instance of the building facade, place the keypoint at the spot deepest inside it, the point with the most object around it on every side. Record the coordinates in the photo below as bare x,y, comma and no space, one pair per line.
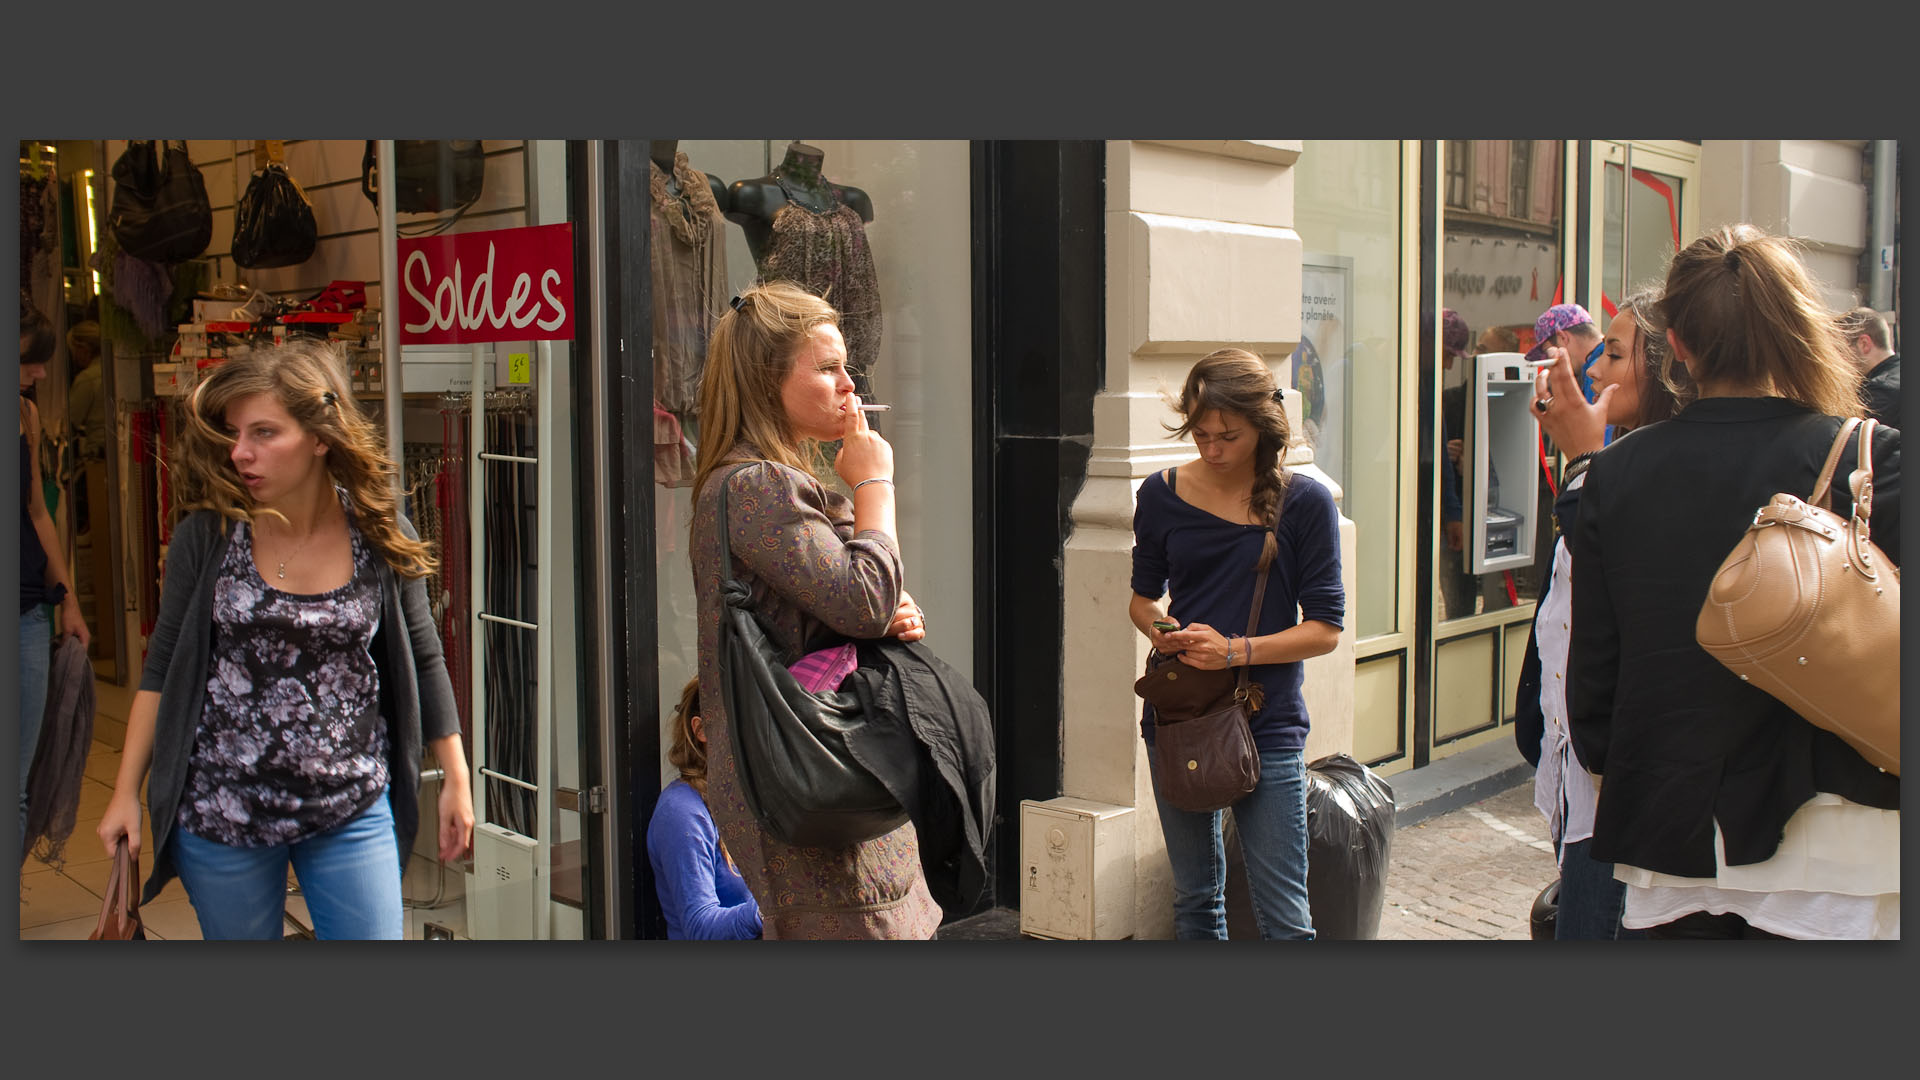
1035,301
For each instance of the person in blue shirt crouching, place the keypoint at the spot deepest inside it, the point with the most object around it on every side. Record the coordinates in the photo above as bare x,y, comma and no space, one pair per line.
701,894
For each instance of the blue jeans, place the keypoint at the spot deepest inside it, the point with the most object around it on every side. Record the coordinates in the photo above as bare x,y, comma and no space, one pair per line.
1272,823
1591,900
350,876
36,655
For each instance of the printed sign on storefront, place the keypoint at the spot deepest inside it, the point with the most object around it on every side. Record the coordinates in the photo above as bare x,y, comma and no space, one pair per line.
498,285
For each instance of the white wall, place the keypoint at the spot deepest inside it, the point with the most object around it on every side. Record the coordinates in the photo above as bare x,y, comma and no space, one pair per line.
1810,189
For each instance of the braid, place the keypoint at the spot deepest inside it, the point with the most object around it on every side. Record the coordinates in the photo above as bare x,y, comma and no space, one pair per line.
1269,494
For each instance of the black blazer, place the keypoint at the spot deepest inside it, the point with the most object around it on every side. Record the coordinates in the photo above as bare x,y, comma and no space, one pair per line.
1680,741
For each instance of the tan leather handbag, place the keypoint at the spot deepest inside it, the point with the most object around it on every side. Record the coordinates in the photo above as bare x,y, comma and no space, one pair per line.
1807,608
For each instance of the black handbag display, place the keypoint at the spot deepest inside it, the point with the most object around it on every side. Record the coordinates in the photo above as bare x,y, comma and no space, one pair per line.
790,750
274,223
428,175
160,210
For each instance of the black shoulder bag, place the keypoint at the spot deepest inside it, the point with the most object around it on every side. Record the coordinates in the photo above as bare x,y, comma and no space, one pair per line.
160,208
790,748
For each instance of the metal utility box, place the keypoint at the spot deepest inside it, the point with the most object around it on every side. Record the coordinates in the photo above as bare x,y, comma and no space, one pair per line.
1076,869
1500,469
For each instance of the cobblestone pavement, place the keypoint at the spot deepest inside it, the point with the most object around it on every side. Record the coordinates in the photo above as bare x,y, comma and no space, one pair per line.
1471,874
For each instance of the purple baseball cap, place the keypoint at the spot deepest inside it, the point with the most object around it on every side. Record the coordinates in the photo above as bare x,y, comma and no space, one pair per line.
1556,318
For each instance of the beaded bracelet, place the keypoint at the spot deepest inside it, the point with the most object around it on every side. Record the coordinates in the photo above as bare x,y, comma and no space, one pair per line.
1578,464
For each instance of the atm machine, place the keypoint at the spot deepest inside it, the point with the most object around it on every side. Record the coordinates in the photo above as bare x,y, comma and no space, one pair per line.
1500,468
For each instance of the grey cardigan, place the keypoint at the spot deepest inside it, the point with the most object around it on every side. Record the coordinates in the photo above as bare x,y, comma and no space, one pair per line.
416,696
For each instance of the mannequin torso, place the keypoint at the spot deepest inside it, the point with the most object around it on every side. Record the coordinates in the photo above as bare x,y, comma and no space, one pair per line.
752,204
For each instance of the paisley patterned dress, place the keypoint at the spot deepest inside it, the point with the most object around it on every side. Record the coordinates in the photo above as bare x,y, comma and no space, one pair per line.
809,573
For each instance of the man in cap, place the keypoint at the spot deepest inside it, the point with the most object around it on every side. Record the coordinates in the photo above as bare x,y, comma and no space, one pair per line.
1569,327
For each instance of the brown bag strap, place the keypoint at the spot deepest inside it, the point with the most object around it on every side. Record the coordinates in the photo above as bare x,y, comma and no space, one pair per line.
1253,617
1820,486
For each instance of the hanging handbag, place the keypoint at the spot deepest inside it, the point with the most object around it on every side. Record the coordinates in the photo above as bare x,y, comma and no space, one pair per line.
160,208
273,225
1807,608
1203,752
120,911
790,747
428,175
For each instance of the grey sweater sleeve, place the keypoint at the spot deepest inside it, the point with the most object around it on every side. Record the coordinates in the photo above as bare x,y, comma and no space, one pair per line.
186,556
438,715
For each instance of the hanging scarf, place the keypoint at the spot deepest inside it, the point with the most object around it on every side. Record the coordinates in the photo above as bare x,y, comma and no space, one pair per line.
687,214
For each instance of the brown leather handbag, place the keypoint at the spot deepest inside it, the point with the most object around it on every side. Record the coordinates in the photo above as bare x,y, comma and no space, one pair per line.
1203,750
1807,608
120,911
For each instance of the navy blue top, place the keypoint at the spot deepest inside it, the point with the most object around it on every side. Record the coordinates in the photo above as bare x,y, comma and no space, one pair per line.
701,896
1208,563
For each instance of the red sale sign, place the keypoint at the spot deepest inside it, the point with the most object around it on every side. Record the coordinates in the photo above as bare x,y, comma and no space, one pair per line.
499,285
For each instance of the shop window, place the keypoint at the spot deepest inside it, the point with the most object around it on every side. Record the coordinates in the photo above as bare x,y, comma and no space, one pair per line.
911,332
1500,269
1347,210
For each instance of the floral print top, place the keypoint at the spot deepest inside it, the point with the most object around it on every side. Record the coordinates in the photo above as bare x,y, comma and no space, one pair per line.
291,742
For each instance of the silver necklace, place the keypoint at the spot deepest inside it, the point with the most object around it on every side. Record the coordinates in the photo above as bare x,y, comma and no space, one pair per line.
282,571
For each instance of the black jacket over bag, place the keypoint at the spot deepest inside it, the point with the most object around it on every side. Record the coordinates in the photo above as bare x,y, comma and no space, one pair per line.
1680,741
929,738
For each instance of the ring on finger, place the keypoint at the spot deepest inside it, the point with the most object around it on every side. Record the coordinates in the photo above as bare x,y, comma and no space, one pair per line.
1542,403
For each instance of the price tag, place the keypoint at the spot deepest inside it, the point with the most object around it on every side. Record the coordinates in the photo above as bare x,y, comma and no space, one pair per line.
520,368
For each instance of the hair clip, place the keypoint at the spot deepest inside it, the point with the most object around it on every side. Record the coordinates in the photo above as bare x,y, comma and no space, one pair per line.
330,398
1279,396
1732,260
737,302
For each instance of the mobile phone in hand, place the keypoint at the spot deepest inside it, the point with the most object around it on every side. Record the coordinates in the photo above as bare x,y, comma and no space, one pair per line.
1166,625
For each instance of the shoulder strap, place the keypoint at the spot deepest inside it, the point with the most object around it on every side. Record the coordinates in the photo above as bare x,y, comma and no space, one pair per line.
1168,476
1820,486
1860,482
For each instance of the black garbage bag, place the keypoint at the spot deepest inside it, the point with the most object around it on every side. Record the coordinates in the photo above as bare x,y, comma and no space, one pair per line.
273,225
1349,841
160,210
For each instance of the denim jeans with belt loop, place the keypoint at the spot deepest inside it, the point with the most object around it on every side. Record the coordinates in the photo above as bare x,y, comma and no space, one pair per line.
1272,824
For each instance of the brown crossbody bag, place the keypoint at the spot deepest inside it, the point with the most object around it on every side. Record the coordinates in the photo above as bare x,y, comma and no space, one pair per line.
1203,751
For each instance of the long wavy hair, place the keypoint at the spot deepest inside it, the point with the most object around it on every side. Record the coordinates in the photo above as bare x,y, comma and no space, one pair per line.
308,379
748,357
1238,382
1751,316
1665,387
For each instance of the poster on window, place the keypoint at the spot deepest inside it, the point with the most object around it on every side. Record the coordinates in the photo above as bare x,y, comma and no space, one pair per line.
1320,371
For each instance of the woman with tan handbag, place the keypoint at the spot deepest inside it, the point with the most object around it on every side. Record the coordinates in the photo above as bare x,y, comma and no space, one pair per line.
1726,814
1205,533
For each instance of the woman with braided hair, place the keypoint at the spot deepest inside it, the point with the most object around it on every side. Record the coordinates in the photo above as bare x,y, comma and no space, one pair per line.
1201,533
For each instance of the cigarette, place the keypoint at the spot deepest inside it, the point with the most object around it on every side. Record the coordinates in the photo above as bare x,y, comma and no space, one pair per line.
875,408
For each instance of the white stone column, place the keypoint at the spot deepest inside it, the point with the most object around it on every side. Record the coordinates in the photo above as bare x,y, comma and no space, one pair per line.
1201,254
1811,189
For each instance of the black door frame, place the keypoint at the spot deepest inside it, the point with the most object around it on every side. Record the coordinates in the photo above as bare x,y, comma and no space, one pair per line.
1039,341
620,679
